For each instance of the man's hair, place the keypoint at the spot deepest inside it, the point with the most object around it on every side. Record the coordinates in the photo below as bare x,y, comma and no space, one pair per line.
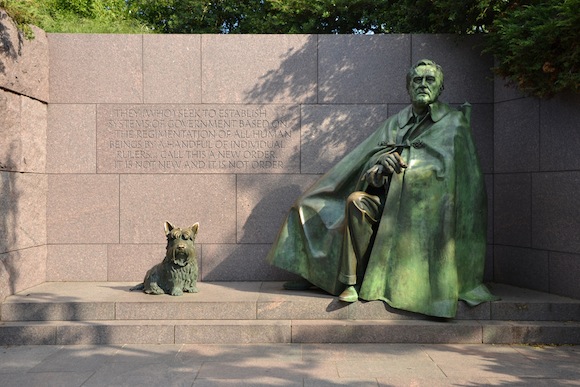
424,62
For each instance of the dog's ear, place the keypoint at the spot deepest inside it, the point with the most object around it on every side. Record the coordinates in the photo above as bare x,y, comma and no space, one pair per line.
168,228
194,228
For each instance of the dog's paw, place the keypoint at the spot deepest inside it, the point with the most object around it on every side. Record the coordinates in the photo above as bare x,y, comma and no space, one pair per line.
176,292
154,289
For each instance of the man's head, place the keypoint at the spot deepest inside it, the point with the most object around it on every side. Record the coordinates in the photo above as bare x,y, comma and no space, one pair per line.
424,83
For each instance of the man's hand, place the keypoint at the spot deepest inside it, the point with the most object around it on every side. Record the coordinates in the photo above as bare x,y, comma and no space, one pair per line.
386,166
375,175
392,162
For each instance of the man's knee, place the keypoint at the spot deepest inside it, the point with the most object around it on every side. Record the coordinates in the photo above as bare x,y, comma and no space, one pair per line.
362,202
355,197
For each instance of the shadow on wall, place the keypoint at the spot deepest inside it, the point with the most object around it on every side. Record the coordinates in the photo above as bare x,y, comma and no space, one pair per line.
257,236
328,132
6,46
9,197
9,194
293,83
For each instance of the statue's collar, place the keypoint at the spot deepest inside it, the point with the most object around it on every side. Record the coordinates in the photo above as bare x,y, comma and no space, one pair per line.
437,111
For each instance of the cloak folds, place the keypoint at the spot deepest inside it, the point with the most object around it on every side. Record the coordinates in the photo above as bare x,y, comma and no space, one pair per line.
429,248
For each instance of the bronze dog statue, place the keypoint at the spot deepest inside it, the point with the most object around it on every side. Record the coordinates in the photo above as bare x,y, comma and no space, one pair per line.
178,272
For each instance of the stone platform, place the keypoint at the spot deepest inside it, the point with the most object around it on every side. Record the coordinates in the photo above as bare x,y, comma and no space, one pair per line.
66,313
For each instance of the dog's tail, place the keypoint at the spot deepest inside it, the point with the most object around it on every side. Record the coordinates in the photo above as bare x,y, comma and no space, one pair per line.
140,286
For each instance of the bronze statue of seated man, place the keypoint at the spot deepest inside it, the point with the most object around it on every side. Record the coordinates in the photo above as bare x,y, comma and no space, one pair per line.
401,218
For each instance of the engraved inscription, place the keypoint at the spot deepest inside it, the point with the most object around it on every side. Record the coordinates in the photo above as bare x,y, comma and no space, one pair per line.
197,139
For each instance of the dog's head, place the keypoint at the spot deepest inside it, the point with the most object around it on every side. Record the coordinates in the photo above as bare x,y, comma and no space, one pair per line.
180,244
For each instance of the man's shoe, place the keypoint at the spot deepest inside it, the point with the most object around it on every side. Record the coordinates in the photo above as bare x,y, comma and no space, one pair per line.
298,285
349,295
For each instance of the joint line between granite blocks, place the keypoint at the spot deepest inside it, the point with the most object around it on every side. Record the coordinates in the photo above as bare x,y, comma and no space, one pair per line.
57,333
119,216
95,138
257,303
201,39
531,191
236,205
549,276
142,68
317,88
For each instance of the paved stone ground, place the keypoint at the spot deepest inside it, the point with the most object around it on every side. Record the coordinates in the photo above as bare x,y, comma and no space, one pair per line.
290,365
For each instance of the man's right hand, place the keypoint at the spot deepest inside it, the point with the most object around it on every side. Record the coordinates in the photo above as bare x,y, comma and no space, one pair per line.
386,166
392,162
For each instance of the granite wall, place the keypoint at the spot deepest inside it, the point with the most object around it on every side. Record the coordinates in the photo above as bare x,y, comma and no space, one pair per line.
536,192
228,130
224,130
23,182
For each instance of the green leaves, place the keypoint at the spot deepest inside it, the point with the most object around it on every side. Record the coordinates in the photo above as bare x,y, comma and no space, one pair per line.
96,16
537,46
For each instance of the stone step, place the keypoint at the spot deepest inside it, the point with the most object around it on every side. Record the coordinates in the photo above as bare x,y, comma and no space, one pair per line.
262,312
94,301
287,331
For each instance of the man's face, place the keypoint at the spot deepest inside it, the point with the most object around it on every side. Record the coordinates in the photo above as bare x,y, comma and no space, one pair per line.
425,86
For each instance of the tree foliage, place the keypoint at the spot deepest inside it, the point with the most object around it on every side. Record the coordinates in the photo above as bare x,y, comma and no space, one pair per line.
537,46
316,16
535,41
80,16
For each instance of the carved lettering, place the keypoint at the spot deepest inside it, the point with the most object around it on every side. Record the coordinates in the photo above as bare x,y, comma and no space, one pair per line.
197,139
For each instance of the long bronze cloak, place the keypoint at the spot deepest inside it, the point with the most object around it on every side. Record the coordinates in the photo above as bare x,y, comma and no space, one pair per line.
429,250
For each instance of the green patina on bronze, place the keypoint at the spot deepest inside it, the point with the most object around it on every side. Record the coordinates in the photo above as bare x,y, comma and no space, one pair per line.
428,248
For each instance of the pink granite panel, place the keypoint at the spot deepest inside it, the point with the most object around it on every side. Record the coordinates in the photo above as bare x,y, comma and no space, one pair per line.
518,122
71,139
30,194
10,131
363,68
23,209
330,132
5,275
71,263
559,134
130,262
483,134
263,202
147,201
22,269
259,68
83,209
197,139
93,68
564,269
239,262
23,133
171,68
33,137
23,62
556,211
